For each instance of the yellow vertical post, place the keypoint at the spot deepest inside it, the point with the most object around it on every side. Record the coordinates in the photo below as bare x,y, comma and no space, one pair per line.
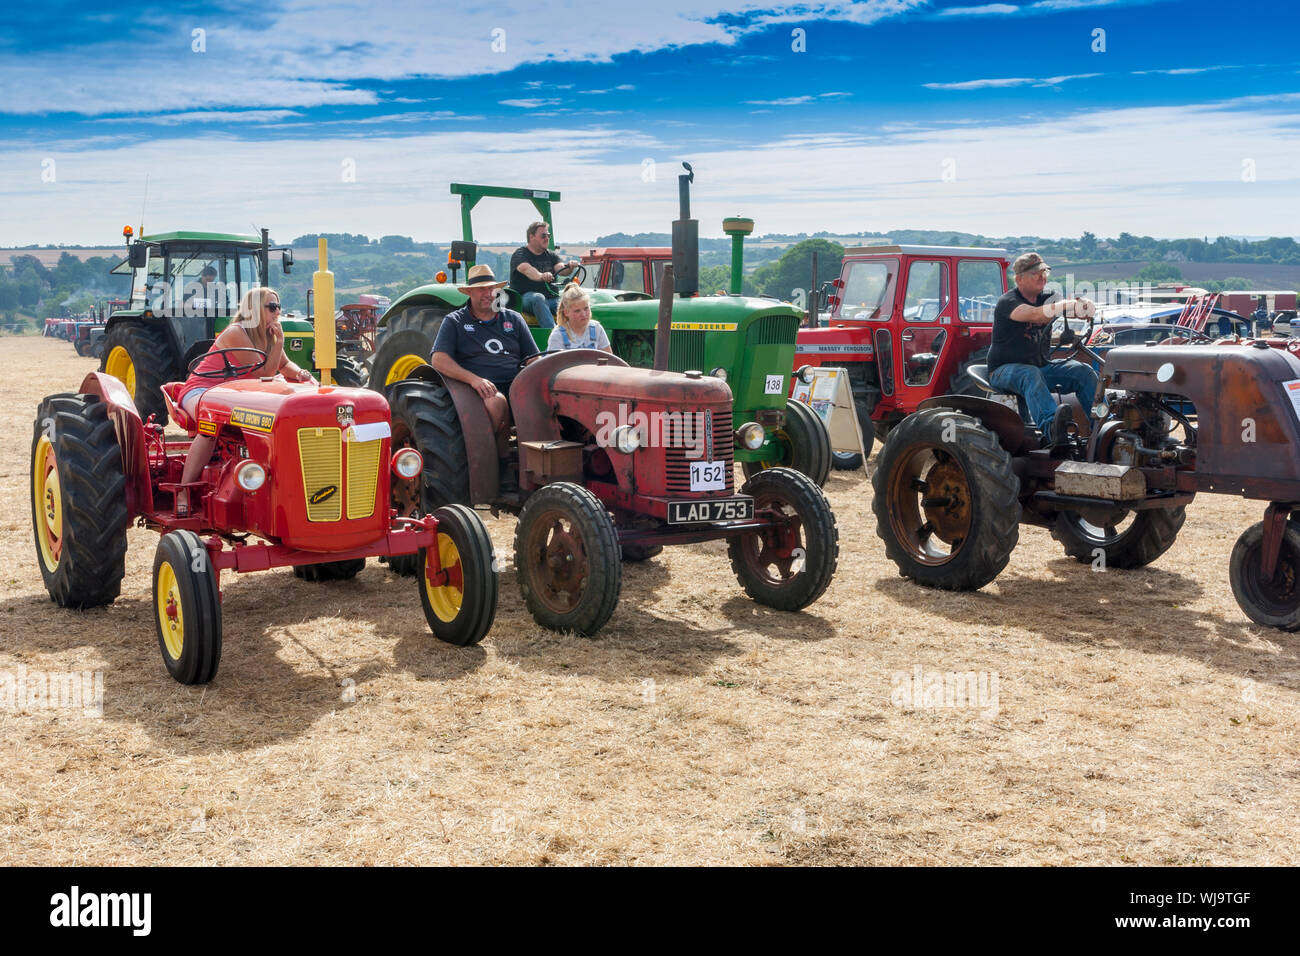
322,284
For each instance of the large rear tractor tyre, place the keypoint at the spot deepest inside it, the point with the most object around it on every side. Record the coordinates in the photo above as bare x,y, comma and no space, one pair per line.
1274,602
405,343
187,608
79,513
1133,539
461,610
424,418
946,500
140,356
330,570
851,460
789,564
349,373
567,559
963,383
804,443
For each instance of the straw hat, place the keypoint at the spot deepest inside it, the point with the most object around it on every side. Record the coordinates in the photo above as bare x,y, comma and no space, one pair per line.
478,277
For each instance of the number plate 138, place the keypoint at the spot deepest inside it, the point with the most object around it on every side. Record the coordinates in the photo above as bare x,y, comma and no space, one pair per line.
708,475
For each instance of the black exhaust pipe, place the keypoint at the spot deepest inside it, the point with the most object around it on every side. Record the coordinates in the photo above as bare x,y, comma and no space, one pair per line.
665,326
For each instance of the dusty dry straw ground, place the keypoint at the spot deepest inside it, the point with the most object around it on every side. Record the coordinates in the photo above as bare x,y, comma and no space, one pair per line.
1140,718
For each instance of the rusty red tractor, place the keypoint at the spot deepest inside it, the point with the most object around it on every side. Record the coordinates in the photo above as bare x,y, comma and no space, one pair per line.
610,462
300,476
954,480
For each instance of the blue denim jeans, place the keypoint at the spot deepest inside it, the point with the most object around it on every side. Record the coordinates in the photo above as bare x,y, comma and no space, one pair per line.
541,307
1035,385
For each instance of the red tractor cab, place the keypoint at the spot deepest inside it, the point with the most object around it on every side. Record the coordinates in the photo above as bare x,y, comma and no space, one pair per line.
906,322
300,475
632,269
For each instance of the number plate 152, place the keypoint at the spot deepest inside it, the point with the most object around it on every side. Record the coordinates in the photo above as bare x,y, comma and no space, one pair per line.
708,475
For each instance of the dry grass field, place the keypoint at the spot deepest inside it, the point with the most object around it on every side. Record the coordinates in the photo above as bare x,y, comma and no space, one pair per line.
1139,717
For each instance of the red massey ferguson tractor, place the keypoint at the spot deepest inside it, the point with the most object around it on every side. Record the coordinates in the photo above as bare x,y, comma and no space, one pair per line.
300,477
610,462
906,322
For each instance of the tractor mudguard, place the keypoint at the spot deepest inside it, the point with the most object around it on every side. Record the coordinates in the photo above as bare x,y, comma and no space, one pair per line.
531,400
130,438
476,427
996,417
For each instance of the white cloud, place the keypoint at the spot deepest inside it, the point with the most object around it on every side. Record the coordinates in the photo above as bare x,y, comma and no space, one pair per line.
530,104
1008,81
205,116
252,64
988,9
1105,177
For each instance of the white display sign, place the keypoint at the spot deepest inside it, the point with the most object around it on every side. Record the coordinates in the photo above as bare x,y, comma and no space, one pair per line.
830,396
708,476
775,385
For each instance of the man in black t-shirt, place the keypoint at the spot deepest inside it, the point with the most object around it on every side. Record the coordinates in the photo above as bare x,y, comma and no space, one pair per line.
1018,356
532,266
482,347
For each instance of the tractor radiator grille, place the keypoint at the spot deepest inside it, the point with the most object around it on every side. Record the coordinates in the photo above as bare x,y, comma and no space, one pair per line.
321,451
363,477
686,352
682,438
773,330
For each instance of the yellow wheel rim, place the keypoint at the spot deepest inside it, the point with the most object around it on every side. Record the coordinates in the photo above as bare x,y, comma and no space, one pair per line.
120,366
48,495
403,368
446,600
171,621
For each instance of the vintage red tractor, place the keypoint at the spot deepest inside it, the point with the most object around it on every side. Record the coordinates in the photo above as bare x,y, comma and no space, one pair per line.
301,475
954,480
610,462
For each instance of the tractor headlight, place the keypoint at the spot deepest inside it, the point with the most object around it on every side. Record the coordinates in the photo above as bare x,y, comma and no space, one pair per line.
719,373
407,463
805,374
751,435
249,475
627,439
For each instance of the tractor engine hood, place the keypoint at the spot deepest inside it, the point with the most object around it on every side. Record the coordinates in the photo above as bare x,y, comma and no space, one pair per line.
641,385
1246,422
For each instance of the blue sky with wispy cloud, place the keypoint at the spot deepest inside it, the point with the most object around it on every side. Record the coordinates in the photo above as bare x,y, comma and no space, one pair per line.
1002,118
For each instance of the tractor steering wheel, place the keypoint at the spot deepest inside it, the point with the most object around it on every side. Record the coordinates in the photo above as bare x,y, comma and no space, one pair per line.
229,369
559,282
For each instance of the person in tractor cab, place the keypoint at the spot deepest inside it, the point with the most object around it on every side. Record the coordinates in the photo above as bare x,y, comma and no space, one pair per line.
484,347
576,329
532,266
255,326
1018,362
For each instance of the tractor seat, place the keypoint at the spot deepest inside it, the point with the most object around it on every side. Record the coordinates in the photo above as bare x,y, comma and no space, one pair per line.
171,396
980,375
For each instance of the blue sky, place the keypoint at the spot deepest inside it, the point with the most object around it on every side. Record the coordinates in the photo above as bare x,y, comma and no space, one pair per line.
1178,118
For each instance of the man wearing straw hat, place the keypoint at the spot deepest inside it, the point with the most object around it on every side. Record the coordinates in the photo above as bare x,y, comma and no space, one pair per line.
1016,360
483,347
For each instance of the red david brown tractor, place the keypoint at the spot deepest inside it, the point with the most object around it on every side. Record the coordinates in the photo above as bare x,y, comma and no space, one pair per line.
302,470
955,478
611,462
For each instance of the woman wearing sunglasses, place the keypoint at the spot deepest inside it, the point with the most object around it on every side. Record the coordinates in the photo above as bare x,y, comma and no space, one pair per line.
255,326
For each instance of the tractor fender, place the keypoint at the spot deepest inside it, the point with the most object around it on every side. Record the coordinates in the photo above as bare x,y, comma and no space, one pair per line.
531,401
480,440
130,438
996,417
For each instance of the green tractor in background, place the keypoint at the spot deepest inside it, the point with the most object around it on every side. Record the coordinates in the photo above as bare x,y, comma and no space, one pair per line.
748,342
185,286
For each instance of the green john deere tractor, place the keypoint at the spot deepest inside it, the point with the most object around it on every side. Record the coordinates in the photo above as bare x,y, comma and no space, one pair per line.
184,288
748,342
